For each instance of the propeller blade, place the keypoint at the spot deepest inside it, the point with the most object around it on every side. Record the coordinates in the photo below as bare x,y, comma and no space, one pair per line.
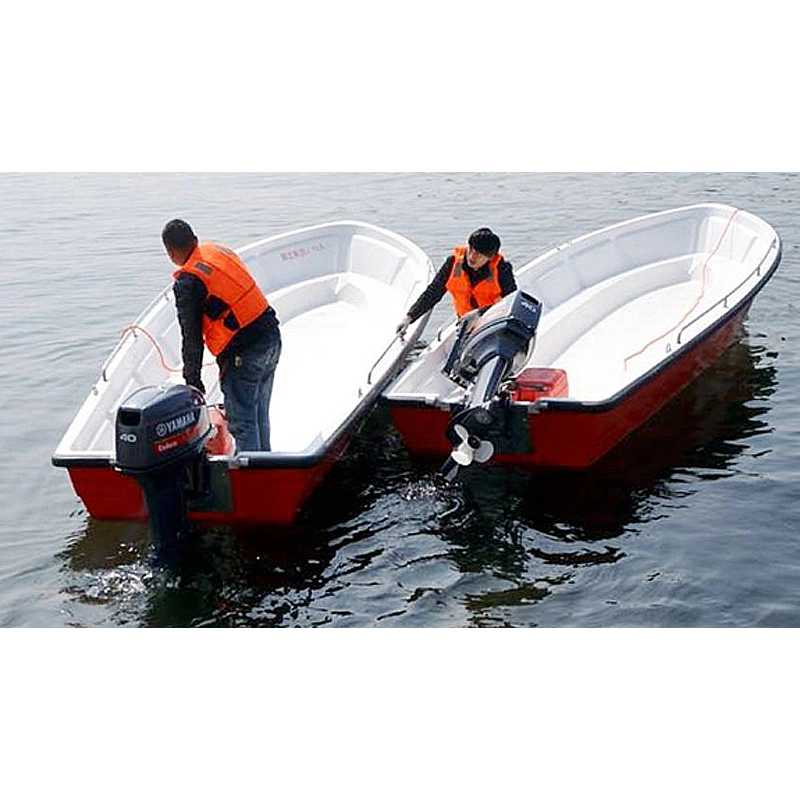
484,452
461,432
463,455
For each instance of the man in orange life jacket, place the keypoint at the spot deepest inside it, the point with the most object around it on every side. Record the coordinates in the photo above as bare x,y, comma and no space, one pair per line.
219,302
476,276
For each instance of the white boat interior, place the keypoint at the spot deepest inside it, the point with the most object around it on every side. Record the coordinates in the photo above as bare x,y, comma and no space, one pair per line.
618,302
338,290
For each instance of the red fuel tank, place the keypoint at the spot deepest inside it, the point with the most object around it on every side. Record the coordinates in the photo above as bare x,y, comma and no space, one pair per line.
536,382
221,443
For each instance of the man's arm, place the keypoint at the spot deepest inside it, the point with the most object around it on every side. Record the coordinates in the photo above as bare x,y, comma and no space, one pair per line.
505,275
190,294
433,293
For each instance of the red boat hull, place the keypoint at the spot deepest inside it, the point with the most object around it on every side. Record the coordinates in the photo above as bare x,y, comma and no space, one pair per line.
259,495
576,435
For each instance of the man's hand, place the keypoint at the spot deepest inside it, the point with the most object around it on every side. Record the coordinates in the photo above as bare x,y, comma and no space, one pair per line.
403,326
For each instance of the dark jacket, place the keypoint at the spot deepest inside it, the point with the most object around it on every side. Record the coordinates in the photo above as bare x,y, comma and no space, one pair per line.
190,298
438,286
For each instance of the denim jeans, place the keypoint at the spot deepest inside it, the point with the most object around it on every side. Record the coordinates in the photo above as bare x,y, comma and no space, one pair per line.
246,377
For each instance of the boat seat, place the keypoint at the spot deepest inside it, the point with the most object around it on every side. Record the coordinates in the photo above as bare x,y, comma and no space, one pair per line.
291,301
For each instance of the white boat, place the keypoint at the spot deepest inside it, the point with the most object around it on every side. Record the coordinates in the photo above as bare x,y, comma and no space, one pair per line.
338,290
629,315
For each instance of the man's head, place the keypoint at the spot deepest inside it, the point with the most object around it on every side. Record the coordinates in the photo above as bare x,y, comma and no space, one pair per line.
179,241
483,246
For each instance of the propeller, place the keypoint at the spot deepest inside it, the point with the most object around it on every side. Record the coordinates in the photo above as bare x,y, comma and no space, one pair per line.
471,448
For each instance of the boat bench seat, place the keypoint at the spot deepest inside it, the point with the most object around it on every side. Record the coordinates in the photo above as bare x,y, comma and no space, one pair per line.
292,301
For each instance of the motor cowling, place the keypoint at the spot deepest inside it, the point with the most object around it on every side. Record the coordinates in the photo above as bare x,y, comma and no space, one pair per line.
507,330
161,433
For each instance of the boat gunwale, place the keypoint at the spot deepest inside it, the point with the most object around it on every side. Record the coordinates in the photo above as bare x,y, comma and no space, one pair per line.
604,231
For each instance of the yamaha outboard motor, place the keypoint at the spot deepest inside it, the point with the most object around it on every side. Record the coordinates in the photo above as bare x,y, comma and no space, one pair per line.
485,355
161,433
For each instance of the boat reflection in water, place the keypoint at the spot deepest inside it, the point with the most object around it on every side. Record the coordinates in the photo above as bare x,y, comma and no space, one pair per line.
386,541
537,530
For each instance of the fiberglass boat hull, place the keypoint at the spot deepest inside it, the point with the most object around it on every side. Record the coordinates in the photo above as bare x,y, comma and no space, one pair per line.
574,433
338,289
572,436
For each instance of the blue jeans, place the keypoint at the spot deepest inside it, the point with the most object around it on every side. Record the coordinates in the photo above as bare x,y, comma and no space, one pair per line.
246,378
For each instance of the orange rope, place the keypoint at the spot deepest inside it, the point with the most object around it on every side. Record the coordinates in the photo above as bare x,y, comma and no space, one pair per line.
156,345
703,284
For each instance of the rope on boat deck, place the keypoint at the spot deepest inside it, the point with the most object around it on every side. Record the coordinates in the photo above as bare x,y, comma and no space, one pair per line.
157,347
703,285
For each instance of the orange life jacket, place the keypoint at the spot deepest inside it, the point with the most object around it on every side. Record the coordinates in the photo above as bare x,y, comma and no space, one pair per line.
467,297
234,299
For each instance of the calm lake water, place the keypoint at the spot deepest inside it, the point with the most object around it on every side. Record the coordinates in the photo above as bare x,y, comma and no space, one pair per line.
692,522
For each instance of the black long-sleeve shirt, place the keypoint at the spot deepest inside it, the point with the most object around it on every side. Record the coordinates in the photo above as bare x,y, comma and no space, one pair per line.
438,286
190,298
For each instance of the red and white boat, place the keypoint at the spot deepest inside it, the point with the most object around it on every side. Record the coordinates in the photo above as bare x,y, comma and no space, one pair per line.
338,290
629,315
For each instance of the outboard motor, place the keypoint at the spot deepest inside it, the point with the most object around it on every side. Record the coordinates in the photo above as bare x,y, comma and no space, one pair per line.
486,353
161,432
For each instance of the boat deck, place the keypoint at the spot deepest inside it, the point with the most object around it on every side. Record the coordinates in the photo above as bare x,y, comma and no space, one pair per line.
315,388
333,330
607,357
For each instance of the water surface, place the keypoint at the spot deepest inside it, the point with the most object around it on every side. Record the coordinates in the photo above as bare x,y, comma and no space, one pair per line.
692,522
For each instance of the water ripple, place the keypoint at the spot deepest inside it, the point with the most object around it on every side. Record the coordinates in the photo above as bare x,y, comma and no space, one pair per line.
689,522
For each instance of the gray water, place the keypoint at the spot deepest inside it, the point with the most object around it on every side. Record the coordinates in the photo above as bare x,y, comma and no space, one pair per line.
691,522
